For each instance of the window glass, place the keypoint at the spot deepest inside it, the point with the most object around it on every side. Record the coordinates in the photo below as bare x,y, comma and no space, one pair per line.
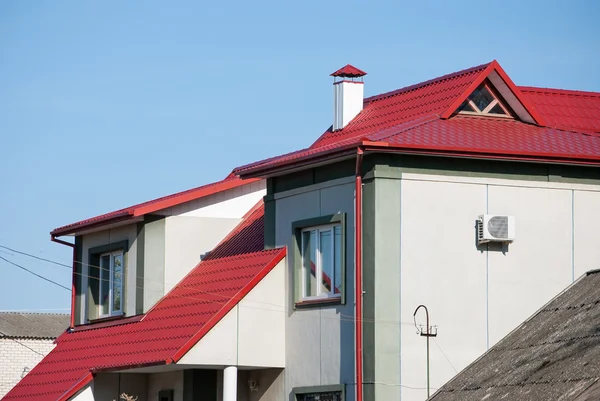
105,284
466,106
497,109
117,284
309,262
481,97
321,252
326,253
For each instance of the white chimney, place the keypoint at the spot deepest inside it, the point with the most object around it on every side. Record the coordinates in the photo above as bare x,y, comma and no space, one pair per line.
348,94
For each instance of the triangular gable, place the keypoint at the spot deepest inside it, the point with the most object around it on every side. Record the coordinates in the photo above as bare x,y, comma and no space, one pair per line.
507,91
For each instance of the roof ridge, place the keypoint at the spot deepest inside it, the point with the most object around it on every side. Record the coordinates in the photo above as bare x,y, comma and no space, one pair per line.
570,92
425,83
33,313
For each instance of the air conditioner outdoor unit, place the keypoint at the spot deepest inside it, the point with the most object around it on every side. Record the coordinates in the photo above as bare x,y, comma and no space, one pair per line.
494,228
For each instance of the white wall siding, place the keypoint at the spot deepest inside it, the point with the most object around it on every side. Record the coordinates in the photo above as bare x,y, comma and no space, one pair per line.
187,238
17,358
442,269
478,294
85,394
233,203
252,333
586,225
541,254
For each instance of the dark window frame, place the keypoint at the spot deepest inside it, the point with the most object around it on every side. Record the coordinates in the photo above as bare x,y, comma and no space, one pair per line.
297,227
332,388
93,285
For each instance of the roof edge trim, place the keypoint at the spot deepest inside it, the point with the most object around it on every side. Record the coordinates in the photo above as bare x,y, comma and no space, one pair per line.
78,386
495,66
233,301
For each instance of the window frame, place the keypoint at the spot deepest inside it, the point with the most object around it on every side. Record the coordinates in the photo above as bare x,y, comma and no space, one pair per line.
91,308
111,311
302,226
296,391
486,112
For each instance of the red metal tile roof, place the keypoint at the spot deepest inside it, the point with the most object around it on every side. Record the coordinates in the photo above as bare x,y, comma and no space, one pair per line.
567,109
349,71
231,181
168,330
428,110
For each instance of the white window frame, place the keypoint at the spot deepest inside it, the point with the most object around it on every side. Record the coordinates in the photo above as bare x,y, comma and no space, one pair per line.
111,256
318,266
486,111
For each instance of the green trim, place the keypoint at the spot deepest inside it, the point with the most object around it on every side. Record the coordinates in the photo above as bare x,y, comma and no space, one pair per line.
139,280
94,275
311,176
270,222
297,227
368,254
78,271
319,389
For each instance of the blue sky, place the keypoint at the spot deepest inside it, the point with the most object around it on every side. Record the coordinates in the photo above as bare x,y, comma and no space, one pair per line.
107,104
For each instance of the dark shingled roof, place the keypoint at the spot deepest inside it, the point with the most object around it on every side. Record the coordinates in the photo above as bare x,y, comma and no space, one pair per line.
32,325
554,355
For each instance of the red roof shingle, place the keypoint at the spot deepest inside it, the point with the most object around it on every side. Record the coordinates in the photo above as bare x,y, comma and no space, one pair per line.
423,118
168,330
566,109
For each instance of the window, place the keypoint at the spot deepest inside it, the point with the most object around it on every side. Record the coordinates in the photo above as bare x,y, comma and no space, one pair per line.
319,393
320,259
106,281
111,284
482,101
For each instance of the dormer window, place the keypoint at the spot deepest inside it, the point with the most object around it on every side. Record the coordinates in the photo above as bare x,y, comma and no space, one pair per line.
484,101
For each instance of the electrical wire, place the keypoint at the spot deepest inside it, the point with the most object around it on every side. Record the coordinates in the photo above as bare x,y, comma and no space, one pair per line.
18,342
445,356
35,274
36,257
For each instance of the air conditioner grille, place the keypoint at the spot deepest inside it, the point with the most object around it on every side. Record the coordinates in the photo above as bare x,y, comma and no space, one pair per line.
498,226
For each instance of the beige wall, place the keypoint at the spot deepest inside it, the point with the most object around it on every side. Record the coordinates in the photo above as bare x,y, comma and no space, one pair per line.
187,238
477,295
252,333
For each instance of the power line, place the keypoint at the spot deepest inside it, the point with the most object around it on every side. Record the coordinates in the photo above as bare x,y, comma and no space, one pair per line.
35,274
18,342
445,356
36,257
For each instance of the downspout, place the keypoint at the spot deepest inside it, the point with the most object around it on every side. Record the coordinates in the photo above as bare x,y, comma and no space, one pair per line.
358,296
59,241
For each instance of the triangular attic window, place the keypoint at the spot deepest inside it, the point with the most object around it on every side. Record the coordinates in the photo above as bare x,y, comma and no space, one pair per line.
484,101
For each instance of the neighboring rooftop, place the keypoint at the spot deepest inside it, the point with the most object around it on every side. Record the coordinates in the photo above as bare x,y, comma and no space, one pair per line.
33,325
554,355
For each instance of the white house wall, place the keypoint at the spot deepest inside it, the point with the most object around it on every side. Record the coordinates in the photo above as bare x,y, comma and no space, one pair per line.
252,333
476,295
233,203
187,238
319,340
85,394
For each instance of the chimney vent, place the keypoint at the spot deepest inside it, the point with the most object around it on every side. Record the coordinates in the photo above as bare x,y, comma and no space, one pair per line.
348,93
